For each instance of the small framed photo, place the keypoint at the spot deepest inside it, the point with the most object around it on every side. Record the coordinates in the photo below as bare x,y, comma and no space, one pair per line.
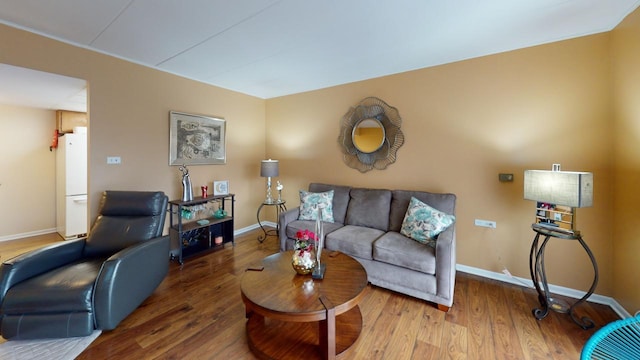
221,187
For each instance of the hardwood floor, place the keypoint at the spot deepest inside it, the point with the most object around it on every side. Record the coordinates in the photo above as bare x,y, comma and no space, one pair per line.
197,313
11,248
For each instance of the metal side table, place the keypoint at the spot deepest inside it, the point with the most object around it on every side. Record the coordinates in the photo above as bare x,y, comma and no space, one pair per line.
539,276
280,207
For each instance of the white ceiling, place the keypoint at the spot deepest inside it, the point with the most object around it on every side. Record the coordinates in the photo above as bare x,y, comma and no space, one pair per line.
270,48
30,88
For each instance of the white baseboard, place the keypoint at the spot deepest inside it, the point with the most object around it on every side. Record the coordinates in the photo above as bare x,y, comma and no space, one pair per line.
560,290
253,227
27,234
247,229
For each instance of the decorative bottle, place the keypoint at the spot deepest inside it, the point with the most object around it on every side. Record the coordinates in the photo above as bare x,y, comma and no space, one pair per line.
187,190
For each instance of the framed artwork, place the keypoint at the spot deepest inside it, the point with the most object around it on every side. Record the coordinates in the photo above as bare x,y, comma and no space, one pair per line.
221,187
196,139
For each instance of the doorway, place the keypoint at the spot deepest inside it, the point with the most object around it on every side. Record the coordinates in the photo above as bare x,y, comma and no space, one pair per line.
29,100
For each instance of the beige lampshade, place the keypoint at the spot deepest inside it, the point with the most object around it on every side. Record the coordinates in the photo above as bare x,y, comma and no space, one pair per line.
568,188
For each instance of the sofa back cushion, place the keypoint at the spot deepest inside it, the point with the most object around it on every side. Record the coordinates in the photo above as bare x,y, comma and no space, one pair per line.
400,203
311,203
340,198
370,208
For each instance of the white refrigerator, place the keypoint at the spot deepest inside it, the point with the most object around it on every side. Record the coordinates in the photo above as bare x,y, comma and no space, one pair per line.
71,184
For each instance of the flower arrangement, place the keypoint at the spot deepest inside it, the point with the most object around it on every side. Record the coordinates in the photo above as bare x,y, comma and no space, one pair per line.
304,258
305,240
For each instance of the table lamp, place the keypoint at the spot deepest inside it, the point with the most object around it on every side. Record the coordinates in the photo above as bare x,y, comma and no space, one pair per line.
555,187
269,169
557,193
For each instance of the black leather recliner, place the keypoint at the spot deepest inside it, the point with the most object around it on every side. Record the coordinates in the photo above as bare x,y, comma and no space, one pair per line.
73,287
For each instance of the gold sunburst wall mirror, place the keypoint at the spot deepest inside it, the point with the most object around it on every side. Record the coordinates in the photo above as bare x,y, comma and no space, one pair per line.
370,135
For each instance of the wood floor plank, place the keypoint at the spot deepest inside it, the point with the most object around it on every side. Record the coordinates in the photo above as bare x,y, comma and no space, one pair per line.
479,330
383,327
197,313
503,327
12,248
425,351
454,342
402,341
431,326
371,307
458,312
529,335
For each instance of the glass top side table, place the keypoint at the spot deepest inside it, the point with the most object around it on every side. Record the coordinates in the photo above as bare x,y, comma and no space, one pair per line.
539,276
280,207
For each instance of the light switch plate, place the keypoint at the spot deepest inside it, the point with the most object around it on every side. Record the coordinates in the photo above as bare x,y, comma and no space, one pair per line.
113,160
485,223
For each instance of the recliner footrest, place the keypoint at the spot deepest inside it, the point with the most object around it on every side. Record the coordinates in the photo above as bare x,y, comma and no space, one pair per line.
16,327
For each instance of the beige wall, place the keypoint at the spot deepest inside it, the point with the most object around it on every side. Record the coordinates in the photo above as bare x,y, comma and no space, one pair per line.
626,95
464,123
129,117
27,172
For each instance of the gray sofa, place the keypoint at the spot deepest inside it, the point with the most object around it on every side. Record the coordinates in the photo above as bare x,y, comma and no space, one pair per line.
367,226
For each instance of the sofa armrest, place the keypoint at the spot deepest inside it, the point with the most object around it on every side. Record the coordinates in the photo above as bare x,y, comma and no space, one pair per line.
127,278
36,262
284,220
446,264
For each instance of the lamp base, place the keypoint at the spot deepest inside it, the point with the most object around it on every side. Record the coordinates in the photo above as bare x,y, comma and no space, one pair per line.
269,198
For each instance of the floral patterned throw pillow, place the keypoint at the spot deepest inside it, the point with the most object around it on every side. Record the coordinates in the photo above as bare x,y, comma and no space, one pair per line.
310,202
423,223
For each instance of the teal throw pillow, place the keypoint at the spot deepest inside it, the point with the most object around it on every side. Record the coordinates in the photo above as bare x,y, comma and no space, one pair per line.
311,202
423,223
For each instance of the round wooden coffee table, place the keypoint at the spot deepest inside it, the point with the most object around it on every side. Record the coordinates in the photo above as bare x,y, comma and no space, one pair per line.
291,316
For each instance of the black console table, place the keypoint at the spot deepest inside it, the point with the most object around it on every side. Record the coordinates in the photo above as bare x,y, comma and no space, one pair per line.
280,207
539,276
195,228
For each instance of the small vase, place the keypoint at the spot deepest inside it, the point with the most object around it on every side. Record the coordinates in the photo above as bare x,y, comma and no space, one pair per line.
303,261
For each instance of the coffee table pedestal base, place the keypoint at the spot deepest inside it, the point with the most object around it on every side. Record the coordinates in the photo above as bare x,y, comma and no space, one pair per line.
274,339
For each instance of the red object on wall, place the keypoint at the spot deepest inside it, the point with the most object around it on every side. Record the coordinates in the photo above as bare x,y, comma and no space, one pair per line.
54,142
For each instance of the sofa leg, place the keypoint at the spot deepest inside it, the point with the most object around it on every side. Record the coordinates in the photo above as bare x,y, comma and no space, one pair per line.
444,308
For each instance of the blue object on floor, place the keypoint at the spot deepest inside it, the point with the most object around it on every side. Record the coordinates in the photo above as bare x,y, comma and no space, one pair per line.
619,340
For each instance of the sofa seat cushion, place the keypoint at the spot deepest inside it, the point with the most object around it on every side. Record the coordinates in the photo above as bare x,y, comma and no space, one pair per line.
65,289
302,225
353,240
396,249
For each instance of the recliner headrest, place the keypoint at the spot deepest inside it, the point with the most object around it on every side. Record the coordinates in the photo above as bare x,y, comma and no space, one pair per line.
131,203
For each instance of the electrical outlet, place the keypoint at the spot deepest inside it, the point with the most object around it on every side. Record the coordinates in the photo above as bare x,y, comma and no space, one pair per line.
485,223
113,160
